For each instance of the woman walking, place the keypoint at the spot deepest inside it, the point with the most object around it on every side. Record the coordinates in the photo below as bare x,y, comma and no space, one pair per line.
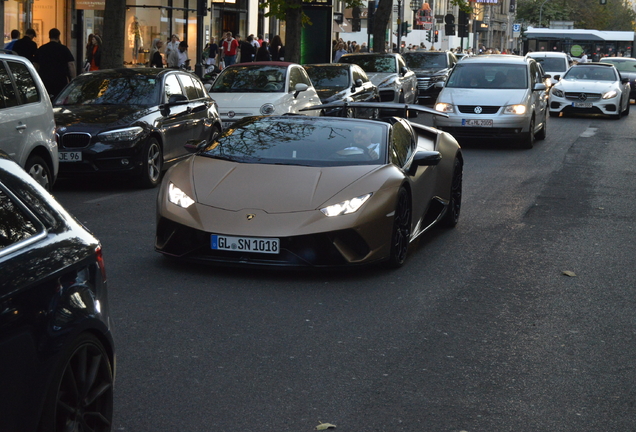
93,52
156,60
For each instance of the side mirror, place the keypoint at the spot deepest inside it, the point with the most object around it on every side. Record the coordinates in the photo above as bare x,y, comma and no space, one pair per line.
176,99
439,84
300,87
624,80
556,78
425,158
539,87
404,70
358,83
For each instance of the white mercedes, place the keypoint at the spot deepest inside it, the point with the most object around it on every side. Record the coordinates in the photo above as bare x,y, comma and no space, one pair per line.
590,88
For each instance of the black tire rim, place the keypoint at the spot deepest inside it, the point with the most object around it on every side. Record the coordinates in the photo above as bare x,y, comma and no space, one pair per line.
401,228
153,162
84,400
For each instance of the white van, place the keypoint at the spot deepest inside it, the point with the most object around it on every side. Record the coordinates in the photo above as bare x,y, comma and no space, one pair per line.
553,63
27,126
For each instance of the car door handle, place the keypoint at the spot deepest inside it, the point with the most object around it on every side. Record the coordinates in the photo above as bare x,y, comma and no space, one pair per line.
21,126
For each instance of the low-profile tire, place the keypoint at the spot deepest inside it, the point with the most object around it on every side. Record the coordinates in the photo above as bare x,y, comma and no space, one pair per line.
152,162
401,235
80,397
626,112
451,217
554,114
543,131
40,171
528,139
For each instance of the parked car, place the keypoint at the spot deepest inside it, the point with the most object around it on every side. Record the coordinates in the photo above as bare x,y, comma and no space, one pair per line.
131,122
495,96
27,127
591,88
389,72
553,63
262,88
626,67
55,324
343,82
430,67
296,191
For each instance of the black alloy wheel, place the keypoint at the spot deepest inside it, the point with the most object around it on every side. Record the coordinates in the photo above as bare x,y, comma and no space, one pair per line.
401,236
152,161
40,171
543,131
81,395
451,217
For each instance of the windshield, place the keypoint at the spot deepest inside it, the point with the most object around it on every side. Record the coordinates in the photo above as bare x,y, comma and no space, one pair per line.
246,79
329,76
372,63
552,64
622,65
90,89
301,140
426,60
591,73
486,75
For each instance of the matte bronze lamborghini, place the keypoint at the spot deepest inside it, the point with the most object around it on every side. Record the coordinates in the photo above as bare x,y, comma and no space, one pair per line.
311,191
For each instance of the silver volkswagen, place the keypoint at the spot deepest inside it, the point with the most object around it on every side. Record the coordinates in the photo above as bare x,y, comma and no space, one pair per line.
495,96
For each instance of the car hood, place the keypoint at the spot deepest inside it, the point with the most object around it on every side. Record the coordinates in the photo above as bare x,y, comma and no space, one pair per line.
490,97
332,94
378,77
237,186
239,101
586,86
98,115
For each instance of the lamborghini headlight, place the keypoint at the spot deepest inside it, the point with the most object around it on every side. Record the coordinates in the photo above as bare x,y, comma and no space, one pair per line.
515,109
346,207
127,134
444,107
610,94
177,197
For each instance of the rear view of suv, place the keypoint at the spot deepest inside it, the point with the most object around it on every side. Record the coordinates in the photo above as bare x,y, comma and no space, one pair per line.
27,126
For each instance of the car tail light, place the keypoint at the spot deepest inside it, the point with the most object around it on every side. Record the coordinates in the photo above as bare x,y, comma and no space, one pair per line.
100,261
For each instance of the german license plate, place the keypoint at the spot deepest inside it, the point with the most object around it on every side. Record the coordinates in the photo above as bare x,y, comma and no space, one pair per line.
582,104
73,156
477,122
227,124
245,244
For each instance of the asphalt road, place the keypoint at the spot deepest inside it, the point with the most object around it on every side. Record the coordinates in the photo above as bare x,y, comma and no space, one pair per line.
479,331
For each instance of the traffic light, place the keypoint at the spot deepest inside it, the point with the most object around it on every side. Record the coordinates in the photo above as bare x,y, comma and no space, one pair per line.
449,28
428,36
202,7
356,25
462,25
405,28
436,35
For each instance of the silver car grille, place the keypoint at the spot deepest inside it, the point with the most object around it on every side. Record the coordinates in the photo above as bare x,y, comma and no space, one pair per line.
424,83
583,97
478,109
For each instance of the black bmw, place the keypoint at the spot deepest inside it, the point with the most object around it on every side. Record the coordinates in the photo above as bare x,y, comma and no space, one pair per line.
131,121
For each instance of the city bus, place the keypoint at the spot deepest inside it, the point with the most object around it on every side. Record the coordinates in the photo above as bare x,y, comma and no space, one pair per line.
575,42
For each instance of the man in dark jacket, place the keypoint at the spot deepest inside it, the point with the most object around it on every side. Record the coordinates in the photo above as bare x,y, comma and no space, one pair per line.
55,63
26,47
247,50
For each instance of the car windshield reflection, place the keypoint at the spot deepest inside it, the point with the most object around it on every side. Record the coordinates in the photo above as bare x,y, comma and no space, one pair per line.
92,89
372,63
590,73
328,77
490,76
251,79
422,60
301,141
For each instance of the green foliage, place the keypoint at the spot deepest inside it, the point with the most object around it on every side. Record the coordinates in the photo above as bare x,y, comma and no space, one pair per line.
279,8
586,14
462,4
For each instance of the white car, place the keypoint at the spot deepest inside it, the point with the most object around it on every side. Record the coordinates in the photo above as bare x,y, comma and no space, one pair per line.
389,72
495,97
553,63
27,126
591,88
263,88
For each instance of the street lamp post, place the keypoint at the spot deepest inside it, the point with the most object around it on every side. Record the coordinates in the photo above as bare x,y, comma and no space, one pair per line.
399,26
541,11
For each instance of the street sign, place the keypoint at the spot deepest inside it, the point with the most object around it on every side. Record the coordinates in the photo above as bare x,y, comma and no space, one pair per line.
516,27
427,26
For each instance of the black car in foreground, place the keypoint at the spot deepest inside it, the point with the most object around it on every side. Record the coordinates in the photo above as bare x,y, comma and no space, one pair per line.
626,67
131,121
430,67
343,82
56,349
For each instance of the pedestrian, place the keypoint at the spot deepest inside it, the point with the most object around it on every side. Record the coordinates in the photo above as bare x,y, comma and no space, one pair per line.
248,52
172,45
26,47
229,49
262,54
583,59
276,49
339,53
156,60
210,52
15,35
93,53
55,64
179,59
